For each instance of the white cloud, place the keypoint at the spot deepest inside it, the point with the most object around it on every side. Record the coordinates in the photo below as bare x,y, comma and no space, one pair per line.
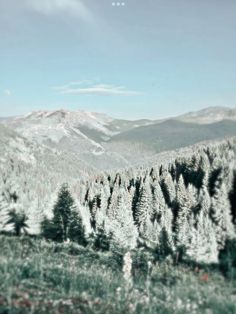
50,7
86,88
7,92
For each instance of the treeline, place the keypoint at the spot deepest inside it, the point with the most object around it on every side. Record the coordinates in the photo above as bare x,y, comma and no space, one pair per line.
186,205
189,203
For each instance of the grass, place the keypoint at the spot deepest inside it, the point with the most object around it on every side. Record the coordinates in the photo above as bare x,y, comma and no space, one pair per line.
41,277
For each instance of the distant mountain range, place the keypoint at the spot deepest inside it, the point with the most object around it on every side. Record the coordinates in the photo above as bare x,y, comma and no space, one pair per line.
42,150
103,143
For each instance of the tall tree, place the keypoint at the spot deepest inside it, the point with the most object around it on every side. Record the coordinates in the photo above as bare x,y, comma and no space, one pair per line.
66,222
144,209
62,212
76,230
122,227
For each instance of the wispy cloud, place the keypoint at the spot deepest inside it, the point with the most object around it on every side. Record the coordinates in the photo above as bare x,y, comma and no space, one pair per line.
7,92
87,88
51,7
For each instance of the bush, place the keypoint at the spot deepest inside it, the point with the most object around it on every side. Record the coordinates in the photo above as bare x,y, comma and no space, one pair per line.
227,259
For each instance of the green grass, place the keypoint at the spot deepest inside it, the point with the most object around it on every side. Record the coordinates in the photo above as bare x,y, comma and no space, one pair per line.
41,277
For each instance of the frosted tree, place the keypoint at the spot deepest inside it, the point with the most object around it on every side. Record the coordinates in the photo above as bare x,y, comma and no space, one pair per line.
144,208
168,188
4,209
122,227
112,208
204,200
162,214
185,202
203,246
221,215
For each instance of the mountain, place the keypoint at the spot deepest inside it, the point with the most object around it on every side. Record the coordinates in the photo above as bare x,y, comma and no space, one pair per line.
187,193
77,132
30,173
107,143
168,135
209,115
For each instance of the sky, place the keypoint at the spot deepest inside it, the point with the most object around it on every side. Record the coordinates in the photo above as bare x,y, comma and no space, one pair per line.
130,59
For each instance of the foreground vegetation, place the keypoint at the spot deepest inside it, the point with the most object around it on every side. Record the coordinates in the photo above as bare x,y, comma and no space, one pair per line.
44,277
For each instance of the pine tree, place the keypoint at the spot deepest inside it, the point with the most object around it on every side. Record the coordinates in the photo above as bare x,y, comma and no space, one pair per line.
76,230
122,227
48,229
221,215
203,244
144,210
102,239
164,247
66,222
4,208
168,188
18,220
62,213
185,203
162,213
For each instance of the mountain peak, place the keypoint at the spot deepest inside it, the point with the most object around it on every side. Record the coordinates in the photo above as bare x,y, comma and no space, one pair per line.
209,115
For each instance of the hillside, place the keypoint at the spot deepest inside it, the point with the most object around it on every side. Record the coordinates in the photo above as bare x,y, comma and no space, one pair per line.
30,174
191,198
40,277
106,143
169,135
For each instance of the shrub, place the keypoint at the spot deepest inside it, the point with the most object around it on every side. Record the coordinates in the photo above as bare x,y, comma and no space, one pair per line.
227,259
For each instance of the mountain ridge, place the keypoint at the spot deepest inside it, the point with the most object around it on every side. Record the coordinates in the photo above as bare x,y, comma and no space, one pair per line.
106,143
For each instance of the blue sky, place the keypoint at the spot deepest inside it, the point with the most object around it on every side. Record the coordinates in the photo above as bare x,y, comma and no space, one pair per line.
152,58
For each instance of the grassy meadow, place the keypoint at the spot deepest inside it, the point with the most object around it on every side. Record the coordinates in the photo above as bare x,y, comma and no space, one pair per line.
42,277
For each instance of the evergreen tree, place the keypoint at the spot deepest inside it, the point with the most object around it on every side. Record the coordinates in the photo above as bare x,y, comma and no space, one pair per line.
66,222
164,247
76,230
185,202
162,213
221,215
18,220
122,227
102,239
3,213
49,230
203,245
62,213
144,209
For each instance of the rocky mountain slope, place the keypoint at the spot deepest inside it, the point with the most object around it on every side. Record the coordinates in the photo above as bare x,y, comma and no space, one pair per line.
107,143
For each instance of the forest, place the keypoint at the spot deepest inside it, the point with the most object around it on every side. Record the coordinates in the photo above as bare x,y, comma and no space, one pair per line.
157,238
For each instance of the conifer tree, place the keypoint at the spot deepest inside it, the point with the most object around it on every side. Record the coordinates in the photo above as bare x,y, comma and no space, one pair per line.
66,222
102,239
161,211
3,213
18,220
62,213
221,214
144,207
122,227
185,204
76,230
